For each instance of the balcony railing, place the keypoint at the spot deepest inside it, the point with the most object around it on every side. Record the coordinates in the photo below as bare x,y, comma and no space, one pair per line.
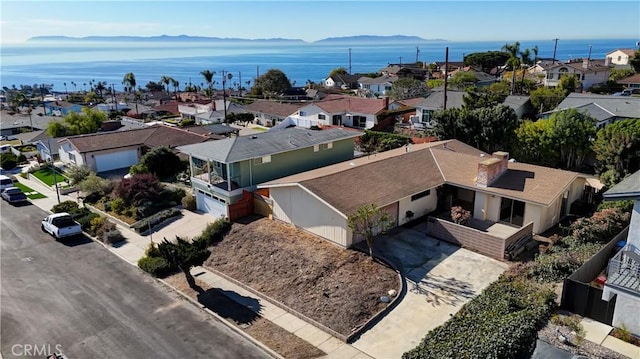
624,270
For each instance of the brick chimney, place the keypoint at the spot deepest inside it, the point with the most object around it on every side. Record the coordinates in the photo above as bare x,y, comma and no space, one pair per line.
490,169
386,102
585,63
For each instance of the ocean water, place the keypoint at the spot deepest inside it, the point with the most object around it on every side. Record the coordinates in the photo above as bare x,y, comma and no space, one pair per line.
38,63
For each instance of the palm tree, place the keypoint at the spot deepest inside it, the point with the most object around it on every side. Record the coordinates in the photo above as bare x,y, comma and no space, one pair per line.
525,58
166,80
129,79
74,85
208,76
535,54
100,87
176,87
65,87
513,62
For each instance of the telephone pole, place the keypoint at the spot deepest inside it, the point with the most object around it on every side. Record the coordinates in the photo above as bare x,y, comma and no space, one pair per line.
555,47
349,61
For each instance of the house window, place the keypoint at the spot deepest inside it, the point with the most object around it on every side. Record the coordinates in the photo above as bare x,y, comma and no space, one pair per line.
619,58
261,160
302,113
321,116
426,115
337,120
512,211
72,157
422,194
359,121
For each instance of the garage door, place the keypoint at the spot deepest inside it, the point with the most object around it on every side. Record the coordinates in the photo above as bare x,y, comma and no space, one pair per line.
209,205
116,160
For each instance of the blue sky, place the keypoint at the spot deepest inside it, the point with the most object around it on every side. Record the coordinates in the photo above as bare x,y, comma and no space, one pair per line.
313,20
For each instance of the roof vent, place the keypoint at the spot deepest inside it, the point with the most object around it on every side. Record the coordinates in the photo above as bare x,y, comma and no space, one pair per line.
254,137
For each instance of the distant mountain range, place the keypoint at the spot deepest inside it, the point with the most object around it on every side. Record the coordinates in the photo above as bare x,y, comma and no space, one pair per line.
187,38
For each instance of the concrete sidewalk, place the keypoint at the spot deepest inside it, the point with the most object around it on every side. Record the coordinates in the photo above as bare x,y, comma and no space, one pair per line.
188,226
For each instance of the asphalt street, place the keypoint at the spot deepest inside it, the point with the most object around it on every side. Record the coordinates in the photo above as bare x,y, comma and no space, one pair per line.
79,298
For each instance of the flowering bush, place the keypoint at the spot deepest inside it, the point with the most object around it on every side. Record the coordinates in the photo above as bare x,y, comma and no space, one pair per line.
600,227
460,215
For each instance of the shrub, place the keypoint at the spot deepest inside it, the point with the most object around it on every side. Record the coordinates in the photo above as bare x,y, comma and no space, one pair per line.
8,160
600,227
460,215
22,158
93,184
502,322
214,231
189,202
66,206
113,236
156,266
85,220
161,162
77,174
117,205
157,218
152,250
100,226
187,122
624,206
138,189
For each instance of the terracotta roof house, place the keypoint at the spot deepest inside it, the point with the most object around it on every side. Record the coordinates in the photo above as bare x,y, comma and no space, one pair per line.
623,272
606,109
270,113
424,179
103,152
222,171
339,110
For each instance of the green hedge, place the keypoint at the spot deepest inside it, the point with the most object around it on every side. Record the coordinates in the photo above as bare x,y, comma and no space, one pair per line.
501,322
156,266
381,141
214,232
156,219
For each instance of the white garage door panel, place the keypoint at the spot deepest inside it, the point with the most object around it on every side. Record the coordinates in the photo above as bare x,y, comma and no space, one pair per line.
210,205
116,160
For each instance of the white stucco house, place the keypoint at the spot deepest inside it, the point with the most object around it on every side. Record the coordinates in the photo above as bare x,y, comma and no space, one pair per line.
375,87
623,272
620,56
339,110
588,73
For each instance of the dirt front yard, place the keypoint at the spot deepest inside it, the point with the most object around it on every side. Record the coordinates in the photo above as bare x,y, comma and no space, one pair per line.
337,287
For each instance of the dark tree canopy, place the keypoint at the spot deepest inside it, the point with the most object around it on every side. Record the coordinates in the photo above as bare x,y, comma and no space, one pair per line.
273,81
338,71
161,162
617,149
408,87
486,61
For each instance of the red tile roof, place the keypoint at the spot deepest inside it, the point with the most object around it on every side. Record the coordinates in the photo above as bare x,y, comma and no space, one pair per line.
341,103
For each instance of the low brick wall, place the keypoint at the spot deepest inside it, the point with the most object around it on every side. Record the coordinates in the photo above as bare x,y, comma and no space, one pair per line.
467,237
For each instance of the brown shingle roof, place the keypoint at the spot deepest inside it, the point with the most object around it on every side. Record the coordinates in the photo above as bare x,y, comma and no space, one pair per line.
273,108
376,179
340,103
154,136
521,181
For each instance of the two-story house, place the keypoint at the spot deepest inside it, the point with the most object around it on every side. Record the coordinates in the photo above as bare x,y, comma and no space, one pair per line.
339,110
377,86
221,171
587,72
345,82
623,273
620,57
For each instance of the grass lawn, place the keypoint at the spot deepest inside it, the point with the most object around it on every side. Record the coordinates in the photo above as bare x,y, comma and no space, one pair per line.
31,194
46,175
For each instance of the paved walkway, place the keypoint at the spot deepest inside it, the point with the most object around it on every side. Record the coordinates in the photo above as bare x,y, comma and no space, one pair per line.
599,333
190,225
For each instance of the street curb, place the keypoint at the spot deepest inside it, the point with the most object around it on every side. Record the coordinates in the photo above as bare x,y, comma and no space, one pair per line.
197,304
224,321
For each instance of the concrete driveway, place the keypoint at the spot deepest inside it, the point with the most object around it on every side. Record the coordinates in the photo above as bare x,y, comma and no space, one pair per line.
440,279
